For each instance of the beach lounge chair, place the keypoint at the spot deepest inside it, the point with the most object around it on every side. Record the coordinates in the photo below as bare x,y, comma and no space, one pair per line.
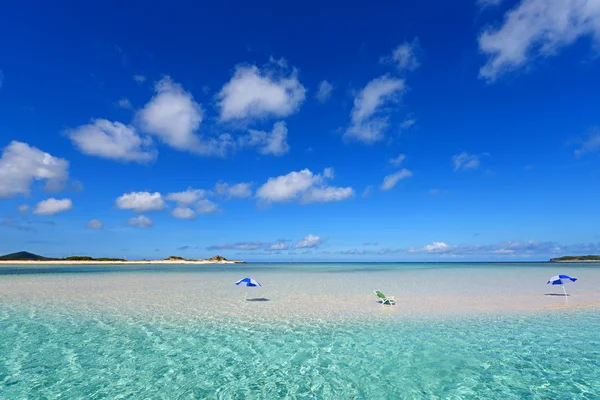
385,299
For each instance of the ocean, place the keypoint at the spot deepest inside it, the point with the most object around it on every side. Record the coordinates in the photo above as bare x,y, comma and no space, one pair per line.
312,331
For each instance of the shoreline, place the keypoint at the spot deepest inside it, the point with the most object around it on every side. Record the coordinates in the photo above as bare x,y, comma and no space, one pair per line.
132,262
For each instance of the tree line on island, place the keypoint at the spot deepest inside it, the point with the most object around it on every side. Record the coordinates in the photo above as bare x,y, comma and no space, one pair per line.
27,256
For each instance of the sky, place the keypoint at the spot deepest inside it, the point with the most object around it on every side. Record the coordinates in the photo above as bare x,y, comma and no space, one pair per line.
393,131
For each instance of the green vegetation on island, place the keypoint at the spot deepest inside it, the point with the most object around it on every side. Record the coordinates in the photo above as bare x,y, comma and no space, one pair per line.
88,258
23,256
588,258
27,256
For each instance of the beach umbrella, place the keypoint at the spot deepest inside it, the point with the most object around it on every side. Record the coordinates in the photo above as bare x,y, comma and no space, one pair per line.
247,282
561,280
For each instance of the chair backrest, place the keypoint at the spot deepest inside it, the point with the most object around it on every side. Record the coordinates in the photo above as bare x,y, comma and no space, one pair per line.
380,295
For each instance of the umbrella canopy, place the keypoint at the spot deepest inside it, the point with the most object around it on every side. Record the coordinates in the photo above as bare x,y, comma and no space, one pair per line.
561,280
247,282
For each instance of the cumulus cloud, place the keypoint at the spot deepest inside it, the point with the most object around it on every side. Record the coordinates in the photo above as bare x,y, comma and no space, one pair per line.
95,224
324,91
22,164
405,56
173,116
536,28
140,202
465,161
187,197
124,103
302,185
183,213
308,242
191,202
397,160
239,190
205,206
273,143
23,208
112,140
590,145
254,93
327,194
52,206
141,221
368,120
391,180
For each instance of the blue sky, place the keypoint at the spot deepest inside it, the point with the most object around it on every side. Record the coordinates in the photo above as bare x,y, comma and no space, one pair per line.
428,131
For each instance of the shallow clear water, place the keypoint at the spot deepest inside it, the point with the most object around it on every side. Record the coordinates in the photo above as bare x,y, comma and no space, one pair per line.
59,341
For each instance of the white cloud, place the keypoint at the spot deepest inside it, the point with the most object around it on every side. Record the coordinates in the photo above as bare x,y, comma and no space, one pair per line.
95,224
327,194
405,56
465,161
206,206
139,78
173,116
191,198
324,91
308,242
187,197
141,202
391,180
274,142
112,140
141,221
237,246
277,247
183,213
124,103
23,208
239,190
368,122
21,164
591,144
397,160
303,185
254,93
536,28
510,248
52,206
436,246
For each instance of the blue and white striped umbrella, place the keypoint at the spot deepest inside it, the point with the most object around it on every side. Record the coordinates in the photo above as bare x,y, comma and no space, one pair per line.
561,280
247,282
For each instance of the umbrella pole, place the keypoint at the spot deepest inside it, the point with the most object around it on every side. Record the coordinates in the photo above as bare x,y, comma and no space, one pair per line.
565,292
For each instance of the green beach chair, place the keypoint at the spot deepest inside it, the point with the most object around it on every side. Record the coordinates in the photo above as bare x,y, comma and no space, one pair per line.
384,299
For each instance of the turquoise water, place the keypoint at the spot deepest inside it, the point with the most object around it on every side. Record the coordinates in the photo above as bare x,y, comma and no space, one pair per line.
544,356
54,350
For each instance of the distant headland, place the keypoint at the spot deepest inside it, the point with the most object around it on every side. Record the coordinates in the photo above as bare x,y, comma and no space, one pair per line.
571,259
25,257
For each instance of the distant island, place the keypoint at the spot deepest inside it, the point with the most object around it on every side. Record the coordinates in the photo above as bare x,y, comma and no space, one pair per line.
25,257
588,258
